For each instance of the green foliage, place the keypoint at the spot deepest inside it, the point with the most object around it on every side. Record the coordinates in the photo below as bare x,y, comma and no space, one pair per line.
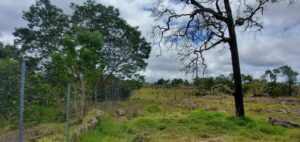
46,26
162,82
107,21
127,87
291,78
177,82
146,123
81,58
278,88
204,85
62,48
9,88
107,130
9,51
186,83
257,87
153,109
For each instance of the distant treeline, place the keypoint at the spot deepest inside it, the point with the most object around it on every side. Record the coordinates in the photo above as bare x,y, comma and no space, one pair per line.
266,85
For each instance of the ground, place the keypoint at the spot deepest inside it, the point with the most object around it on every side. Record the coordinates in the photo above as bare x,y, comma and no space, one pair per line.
174,114
162,114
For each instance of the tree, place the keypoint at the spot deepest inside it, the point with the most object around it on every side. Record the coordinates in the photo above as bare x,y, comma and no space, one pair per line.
258,87
186,83
81,61
46,27
9,51
291,76
246,80
125,51
9,80
162,82
177,82
280,88
272,74
9,85
195,26
204,84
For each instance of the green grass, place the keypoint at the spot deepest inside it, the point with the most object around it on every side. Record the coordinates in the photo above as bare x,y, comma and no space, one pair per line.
198,124
154,115
166,119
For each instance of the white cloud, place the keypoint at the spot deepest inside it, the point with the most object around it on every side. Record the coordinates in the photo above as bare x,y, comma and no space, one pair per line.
277,45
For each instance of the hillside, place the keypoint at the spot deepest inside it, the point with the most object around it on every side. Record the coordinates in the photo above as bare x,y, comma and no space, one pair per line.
172,114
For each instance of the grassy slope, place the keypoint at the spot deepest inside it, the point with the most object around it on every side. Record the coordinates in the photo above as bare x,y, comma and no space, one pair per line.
162,114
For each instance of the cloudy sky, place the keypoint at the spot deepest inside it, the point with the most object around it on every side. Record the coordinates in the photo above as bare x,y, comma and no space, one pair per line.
278,44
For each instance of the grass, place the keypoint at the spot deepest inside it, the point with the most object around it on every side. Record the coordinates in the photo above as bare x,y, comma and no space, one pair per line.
198,124
166,119
154,115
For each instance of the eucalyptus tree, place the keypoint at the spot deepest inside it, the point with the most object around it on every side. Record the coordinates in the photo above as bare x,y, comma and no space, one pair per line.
46,26
196,26
125,50
81,61
291,78
272,75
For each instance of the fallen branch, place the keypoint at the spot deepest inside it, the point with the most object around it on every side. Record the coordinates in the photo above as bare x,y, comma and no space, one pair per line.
282,122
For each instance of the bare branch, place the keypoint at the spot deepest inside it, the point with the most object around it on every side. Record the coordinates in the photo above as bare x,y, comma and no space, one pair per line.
249,19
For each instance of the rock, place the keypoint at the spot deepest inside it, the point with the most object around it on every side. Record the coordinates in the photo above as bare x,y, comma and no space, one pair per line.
121,112
282,122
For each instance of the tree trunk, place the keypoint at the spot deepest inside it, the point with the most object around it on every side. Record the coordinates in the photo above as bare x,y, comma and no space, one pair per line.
82,97
290,89
238,93
75,98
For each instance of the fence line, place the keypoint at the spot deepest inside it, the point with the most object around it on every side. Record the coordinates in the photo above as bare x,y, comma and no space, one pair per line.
68,115
21,115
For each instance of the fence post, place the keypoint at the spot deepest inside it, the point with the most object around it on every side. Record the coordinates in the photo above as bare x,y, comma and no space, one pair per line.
95,95
106,92
68,113
21,112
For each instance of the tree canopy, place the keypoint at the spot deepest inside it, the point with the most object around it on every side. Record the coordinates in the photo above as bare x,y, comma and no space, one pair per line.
125,51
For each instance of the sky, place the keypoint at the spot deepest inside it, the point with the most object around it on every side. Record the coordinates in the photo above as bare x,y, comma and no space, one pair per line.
276,45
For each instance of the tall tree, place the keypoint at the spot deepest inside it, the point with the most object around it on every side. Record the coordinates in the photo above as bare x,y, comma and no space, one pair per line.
195,26
271,74
125,51
80,61
291,78
46,26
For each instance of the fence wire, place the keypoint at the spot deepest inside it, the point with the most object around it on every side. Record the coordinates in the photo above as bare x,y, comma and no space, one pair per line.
33,114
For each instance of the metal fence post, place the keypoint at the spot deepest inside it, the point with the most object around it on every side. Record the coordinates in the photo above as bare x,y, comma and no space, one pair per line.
21,112
106,92
95,95
68,113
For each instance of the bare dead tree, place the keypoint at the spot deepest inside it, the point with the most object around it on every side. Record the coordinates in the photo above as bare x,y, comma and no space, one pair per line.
196,26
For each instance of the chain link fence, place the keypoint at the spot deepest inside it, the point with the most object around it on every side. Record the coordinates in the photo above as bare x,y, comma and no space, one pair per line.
29,113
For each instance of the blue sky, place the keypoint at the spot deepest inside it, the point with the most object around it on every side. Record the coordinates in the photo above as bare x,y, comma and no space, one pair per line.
278,44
